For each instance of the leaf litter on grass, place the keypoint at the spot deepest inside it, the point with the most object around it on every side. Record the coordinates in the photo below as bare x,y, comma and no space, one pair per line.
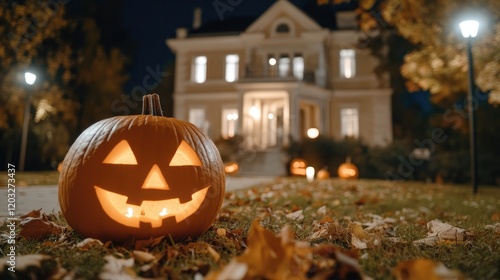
328,229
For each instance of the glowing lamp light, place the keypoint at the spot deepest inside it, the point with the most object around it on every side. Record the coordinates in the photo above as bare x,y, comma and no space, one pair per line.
312,133
270,116
272,61
469,28
310,173
170,182
254,112
30,78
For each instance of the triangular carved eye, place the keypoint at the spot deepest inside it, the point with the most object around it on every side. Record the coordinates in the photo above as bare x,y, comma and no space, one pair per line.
121,154
185,155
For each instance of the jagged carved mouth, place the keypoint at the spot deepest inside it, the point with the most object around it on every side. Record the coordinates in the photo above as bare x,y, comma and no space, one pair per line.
149,211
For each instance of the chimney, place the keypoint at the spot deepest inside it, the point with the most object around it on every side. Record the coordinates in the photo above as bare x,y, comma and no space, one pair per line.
197,18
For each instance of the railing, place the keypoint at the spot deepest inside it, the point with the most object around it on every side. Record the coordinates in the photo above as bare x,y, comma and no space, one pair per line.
272,73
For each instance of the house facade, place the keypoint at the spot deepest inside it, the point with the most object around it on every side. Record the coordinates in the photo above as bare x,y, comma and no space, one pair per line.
277,79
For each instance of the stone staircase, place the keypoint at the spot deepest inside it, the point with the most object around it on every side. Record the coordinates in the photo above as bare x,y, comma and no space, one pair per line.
269,162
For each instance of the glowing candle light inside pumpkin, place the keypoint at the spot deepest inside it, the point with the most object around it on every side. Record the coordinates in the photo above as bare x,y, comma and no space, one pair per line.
163,212
129,213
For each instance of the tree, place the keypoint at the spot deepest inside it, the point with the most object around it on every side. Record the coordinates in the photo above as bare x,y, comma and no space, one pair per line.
29,38
439,63
78,77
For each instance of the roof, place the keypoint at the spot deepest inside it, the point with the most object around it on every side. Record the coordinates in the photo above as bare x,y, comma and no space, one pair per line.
324,15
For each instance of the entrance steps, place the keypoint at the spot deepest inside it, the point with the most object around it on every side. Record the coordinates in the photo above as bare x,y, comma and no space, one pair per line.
269,162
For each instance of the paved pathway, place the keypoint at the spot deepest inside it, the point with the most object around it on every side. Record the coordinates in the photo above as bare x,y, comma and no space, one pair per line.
45,197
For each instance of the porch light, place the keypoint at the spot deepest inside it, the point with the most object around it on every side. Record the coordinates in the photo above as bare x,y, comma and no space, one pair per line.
272,61
254,112
312,133
270,116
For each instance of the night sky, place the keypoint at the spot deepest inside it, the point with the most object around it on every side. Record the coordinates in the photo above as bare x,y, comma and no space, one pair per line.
151,22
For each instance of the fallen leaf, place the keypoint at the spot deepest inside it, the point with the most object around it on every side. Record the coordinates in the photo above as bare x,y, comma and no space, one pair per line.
37,228
268,256
495,227
116,268
321,211
296,216
439,231
144,245
32,214
424,269
361,239
88,243
143,257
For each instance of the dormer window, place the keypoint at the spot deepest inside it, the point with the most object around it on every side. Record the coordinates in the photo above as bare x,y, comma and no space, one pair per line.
282,28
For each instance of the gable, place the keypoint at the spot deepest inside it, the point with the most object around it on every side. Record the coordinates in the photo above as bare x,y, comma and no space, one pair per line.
283,12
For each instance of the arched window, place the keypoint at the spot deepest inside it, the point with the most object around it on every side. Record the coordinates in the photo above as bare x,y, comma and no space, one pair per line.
282,28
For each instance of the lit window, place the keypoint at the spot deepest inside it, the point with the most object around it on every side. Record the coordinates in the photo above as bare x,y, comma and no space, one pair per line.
284,66
200,69
232,67
229,122
197,117
298,67
349,119
347,63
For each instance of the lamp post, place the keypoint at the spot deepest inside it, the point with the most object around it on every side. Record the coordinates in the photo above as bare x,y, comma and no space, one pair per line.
469,30
30,80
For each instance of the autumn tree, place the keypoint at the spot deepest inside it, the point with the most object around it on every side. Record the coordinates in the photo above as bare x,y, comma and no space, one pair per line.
29,39
439,62
77,77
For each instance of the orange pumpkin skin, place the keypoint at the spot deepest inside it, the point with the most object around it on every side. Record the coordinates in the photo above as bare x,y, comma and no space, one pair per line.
348,170
96,184
323,174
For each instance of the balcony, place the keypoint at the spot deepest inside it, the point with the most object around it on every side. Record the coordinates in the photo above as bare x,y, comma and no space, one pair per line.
265,73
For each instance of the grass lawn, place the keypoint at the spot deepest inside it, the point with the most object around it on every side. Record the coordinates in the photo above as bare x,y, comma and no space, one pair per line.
33,178
392,215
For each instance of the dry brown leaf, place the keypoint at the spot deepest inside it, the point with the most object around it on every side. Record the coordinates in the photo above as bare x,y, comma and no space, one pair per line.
32,214
439,231
144,245
424,269
296,216
143,257
268,256
361,239
38,228
88,243
116,268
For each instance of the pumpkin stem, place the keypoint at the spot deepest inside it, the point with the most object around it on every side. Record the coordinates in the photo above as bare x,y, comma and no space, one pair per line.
151,105
348,159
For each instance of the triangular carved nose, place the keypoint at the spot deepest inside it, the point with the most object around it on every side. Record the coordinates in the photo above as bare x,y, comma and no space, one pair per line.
155,180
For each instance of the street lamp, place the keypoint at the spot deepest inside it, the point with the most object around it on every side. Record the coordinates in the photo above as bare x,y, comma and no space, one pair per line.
469,30
30,80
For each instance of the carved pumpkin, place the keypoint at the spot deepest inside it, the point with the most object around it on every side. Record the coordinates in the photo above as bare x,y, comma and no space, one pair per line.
141,176
323,174
298,167
348,170
231,168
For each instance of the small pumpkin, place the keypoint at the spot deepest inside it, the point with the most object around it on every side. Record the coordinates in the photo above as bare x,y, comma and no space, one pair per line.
323,174
141,176
298,167
348,170
231,168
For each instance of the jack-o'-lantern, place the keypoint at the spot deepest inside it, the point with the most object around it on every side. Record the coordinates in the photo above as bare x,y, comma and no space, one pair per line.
231,168
348,170
141,176
323,174
298,167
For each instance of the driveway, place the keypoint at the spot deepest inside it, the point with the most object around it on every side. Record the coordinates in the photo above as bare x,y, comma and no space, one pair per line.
45,197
